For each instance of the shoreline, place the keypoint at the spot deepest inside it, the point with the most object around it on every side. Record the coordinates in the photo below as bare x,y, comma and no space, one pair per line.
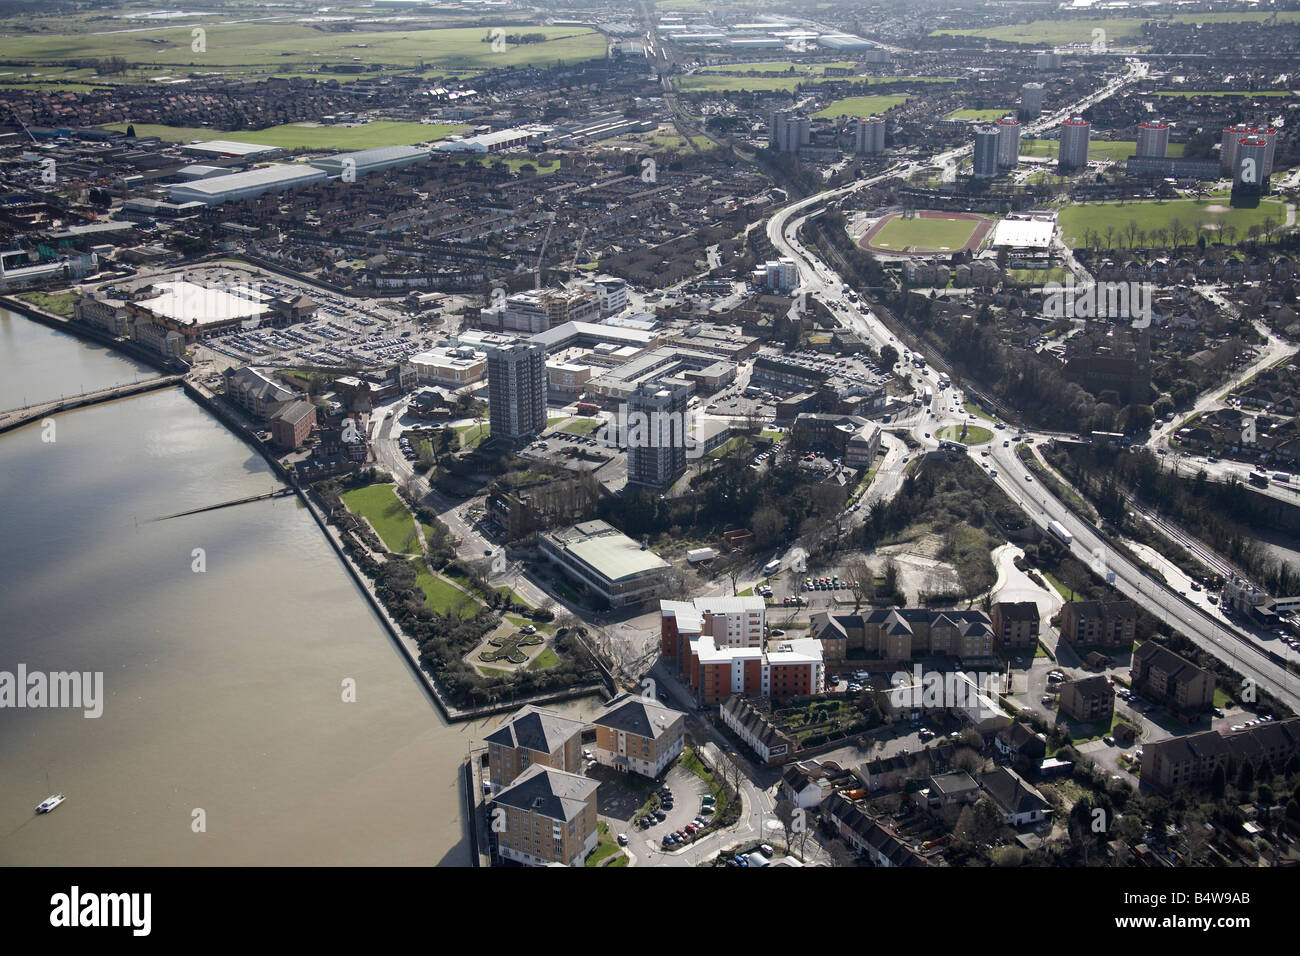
448,710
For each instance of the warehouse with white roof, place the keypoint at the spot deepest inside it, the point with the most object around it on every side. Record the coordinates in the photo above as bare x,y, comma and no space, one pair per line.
247,185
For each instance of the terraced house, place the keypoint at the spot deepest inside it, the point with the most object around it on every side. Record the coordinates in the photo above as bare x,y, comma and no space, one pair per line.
545,817
639,735
533,737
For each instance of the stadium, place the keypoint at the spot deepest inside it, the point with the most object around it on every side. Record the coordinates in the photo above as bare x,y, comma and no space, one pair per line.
926,232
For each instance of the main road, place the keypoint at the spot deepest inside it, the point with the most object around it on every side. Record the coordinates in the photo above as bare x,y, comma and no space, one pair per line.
818,279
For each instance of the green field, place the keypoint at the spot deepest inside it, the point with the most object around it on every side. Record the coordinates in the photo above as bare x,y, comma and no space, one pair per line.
1098,149
775,66
986,116
860,106
303,136
514,163
380,505
287,46
442,596
1209,215
1038,32
934,235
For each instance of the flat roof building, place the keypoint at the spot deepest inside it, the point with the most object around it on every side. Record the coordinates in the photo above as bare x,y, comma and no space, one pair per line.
607,562
247,185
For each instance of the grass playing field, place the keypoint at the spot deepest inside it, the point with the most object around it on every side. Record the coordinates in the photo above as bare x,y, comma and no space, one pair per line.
860,106
987,116
1202,215
924,235
287,45
1081,31
1098,149
296,135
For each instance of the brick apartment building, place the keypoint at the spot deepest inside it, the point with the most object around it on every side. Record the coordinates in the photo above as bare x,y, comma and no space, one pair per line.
896,634
1160,674
1099,623
549,817
1187,762
533,737
1090,700
1015,625
639,735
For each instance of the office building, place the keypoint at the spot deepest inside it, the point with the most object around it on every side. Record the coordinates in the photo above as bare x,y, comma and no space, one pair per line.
516,389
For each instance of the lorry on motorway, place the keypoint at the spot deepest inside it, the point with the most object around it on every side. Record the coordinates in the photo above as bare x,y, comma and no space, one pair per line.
929,395
944,381
1258,480
1058,529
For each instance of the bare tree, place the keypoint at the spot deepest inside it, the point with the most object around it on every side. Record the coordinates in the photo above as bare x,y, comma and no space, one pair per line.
786,811
862,580
840,853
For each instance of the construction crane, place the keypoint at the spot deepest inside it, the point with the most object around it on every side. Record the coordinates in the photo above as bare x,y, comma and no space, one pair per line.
537,275
573,266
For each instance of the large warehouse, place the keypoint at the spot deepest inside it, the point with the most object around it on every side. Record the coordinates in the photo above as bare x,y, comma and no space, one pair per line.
197,311
246,185
366,161
231,149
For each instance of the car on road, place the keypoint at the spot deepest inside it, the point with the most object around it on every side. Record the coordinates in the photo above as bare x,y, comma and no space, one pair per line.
622,839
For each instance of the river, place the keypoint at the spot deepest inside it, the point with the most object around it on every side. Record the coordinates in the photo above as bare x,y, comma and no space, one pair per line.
223,688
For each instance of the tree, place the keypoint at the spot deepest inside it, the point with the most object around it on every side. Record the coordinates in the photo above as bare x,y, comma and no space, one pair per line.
978,823
862,580
787,812
888,357
841,855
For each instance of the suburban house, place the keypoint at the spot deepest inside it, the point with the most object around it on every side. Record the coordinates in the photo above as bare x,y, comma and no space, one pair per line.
1160,674
1021,744
1090,700
1020,803
639,735
806,784
532,737
945,791
545,817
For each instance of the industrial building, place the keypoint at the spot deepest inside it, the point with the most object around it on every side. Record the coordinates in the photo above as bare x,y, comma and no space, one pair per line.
230,149
248,184
367,161
497,141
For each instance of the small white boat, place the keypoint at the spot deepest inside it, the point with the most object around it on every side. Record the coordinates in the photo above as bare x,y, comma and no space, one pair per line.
49,803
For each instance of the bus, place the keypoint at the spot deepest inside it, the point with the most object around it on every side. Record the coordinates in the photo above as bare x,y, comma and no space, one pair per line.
772,566
588,408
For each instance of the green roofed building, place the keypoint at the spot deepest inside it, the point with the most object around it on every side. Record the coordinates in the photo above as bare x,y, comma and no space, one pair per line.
608,563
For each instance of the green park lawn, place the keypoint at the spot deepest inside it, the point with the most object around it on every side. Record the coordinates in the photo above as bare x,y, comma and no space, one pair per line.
918,233
860,106
391,520
443,597
1098,149
301,136
1194,214
987,116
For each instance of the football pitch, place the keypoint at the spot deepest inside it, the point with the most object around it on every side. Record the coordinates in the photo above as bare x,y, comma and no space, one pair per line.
923,235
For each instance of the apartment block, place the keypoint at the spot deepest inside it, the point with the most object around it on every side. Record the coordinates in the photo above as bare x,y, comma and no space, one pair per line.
1099,623
730,621
549,816
639,735
1160,674
1090,699
896,634
533,737
1015,625
1188,762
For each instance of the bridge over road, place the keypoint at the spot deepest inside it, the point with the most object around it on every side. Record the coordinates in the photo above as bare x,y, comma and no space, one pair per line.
18,417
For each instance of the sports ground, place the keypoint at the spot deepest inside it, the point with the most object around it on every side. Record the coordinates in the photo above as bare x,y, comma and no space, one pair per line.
927,233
